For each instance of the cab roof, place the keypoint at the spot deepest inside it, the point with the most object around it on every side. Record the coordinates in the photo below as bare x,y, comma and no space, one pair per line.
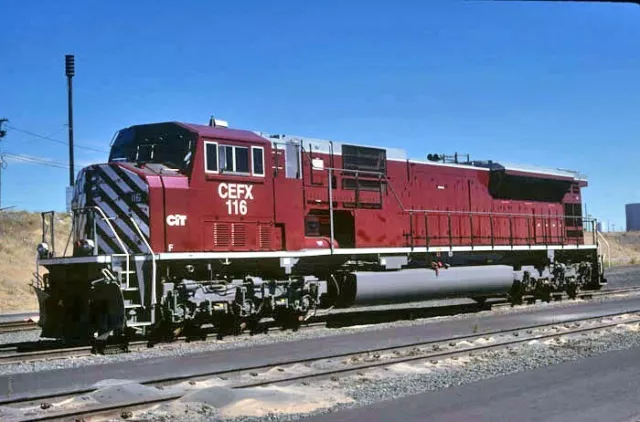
224,133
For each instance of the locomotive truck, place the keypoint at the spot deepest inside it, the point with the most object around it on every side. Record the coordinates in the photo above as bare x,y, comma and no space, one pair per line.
191,226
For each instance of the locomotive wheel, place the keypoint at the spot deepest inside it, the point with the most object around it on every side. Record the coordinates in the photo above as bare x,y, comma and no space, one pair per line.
515,294
254,327
482,302
162,332
544,293
288,319
115,341
230,325
192,331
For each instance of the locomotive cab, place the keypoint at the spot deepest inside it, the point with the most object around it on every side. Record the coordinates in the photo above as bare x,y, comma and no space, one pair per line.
168,147
187,188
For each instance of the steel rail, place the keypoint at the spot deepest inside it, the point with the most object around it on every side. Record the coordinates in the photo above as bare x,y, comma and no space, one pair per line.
11,355
14,326
58,353
436,354
440,355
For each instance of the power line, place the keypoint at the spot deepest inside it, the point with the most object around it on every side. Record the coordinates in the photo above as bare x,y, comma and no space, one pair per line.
575,1
48,138
34,160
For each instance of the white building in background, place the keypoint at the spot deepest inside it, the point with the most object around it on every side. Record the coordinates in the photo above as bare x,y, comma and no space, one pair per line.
633,217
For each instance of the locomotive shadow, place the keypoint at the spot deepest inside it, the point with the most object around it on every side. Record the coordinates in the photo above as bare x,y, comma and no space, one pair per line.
379,316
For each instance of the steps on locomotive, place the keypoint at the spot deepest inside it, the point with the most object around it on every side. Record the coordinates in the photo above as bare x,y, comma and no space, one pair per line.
136,313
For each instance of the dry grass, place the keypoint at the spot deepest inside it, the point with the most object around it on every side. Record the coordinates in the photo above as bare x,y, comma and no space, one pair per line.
20,233
625,247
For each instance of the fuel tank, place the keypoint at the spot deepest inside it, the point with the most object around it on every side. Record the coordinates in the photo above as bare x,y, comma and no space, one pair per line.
410,285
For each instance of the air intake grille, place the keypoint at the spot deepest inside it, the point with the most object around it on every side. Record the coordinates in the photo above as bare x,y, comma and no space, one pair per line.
221,234
238,234
229,235
264,237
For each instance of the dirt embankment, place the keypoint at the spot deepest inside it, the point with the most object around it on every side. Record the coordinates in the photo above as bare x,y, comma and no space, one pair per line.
20,233
624,247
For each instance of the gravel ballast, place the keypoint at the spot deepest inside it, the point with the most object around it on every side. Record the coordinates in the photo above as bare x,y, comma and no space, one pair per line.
622,276
212,399
378,385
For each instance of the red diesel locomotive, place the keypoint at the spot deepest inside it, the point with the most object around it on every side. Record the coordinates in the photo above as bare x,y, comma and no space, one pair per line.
188,225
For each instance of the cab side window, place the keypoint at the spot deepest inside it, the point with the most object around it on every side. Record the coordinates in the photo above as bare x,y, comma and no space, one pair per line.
234,159
258,161
242,160
210,157
226,158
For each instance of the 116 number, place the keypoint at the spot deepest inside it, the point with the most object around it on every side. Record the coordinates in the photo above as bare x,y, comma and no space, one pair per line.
236,206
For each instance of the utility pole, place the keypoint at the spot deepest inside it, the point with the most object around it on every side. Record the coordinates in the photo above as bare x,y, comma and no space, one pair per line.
3,164
70,71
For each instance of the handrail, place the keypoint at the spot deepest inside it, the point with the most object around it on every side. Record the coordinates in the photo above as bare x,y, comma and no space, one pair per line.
558,218
608,248
73,229
432,211
379,175
106,219
331,228
153,266
115,234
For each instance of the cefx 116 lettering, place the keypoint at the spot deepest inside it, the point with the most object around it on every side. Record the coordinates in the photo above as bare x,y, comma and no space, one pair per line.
236,195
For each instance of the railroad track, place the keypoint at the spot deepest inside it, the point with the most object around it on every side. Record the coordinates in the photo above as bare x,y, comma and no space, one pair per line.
588,294
13,326
12,354
35,351
333,366
609,292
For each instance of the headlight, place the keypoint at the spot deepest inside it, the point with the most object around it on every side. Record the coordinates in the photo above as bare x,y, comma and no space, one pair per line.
43,251
83,247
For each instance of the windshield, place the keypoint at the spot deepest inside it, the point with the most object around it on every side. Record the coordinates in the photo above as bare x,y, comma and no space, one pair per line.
166,143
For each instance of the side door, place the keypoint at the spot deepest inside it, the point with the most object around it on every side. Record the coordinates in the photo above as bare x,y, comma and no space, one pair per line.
289,208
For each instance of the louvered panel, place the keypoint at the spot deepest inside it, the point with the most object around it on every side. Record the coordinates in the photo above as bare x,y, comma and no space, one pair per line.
239,235
221,234
264,236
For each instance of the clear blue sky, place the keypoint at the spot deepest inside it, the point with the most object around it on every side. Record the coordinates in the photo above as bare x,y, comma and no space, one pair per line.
538,83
